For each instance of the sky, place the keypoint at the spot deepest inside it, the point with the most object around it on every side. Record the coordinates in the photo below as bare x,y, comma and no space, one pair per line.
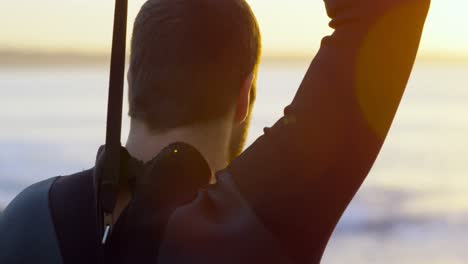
292,27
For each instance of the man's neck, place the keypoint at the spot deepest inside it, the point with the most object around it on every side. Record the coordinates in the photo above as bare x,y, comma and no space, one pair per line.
212,140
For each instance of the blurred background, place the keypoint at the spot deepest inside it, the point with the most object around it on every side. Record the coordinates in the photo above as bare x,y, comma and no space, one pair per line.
413,208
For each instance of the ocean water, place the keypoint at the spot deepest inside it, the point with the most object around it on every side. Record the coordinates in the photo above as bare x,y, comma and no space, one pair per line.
413,208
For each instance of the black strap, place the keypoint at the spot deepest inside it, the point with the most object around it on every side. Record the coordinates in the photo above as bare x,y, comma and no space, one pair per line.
111,178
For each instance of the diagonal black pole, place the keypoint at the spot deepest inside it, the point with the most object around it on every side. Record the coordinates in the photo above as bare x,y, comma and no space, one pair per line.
111,175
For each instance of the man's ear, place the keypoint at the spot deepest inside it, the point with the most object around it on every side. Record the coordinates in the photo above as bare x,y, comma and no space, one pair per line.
243,101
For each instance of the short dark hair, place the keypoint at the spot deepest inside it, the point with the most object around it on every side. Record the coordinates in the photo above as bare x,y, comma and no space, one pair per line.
189,59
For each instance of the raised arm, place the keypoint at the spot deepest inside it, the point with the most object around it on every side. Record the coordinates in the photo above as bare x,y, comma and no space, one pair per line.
281,199
300,176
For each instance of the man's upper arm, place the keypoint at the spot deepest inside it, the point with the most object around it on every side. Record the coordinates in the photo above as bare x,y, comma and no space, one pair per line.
27,233
300,176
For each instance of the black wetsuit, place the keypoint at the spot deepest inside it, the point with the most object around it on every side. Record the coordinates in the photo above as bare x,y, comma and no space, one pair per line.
281,199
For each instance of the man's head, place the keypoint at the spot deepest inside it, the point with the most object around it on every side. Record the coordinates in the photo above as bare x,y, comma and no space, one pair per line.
194,62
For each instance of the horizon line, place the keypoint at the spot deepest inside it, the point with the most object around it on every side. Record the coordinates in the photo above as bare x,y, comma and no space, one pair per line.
33,57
